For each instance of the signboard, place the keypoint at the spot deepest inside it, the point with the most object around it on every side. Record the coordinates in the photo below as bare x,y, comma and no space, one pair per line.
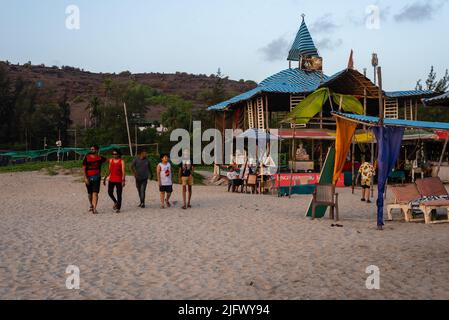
283,179
311,63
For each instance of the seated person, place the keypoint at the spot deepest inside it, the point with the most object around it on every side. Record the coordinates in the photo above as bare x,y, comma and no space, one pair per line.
301,154
234,177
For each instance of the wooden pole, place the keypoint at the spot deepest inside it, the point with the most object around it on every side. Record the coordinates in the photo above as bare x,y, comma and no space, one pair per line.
267,118
293,161
442,155
127,129
135,137
372,162
381,104
353,166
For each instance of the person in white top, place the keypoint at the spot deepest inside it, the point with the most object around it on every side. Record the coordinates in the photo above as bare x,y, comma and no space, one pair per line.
164,179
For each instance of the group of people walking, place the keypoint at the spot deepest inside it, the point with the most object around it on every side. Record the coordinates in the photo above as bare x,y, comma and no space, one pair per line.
142,171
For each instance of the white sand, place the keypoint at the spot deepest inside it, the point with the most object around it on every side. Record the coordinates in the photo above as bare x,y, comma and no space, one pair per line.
229,246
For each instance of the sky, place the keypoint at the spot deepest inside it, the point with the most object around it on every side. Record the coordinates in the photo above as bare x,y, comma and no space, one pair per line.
246,39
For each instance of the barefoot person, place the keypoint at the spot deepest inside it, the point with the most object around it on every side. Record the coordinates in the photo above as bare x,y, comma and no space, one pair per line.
141,168
92,176
116,176
186,177
164,179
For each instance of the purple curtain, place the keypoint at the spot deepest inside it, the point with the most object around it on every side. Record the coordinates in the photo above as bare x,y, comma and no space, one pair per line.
389,141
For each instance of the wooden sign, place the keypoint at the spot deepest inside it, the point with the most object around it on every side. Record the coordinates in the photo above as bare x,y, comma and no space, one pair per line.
311,63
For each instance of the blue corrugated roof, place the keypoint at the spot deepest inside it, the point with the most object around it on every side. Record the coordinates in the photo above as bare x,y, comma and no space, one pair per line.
408,93
369,120
303,44
442,100
286,81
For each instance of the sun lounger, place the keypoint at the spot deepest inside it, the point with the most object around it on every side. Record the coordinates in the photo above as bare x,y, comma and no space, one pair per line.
429,187
404,194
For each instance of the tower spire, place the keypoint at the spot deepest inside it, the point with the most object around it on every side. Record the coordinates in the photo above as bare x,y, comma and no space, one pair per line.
351,60
303,44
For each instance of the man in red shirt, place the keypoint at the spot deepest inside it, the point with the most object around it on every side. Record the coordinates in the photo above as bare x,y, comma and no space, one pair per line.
92,176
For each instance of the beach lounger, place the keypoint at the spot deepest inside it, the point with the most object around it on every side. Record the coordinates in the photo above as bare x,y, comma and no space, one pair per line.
429,187
404,194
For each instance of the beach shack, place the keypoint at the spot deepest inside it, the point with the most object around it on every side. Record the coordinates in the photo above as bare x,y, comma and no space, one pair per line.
304,146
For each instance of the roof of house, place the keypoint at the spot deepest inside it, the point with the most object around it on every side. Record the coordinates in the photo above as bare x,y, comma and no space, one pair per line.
408,93
370,121
441,100
286,81
303,44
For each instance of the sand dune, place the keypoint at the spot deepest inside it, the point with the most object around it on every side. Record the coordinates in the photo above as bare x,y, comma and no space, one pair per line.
228,246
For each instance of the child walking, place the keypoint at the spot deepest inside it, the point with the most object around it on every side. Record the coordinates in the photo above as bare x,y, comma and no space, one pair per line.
164,179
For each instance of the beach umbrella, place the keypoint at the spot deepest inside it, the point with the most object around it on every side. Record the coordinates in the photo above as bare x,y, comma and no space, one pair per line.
258,134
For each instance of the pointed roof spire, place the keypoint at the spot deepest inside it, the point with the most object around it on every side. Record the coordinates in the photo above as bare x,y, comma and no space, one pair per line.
351,60
303,44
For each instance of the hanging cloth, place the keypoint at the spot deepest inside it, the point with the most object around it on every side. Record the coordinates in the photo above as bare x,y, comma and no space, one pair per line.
389,145
345,133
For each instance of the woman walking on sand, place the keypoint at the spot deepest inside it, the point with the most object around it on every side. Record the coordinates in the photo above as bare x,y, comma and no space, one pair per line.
116,176
164,179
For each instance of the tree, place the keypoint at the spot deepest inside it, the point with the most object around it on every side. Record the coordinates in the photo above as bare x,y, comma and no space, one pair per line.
6,110
65,121
178,113
439,86
218,92
94,111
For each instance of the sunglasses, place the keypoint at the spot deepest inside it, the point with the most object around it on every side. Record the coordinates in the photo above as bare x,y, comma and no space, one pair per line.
115,154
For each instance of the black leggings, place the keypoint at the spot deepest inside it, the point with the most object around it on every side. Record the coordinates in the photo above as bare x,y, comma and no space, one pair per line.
119,187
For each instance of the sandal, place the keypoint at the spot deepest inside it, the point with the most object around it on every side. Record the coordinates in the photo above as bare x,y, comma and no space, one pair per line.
184,207
189,206
91,209
168,203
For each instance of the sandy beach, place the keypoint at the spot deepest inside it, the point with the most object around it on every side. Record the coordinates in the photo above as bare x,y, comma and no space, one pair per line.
228,246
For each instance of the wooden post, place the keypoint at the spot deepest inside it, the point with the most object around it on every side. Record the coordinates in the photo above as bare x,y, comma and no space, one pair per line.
365,102
135,136
442,155
223,139
381,104
353,165
127,129
372,162
416,110
266,113
293,161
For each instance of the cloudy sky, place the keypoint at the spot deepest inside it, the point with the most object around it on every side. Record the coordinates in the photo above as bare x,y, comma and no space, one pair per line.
247,39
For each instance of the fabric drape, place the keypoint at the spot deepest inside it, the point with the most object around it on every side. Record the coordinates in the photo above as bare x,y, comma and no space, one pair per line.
389,145
345,133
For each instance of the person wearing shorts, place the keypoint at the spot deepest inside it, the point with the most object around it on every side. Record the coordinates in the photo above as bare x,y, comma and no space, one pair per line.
186,178
367,172
92,176
164,179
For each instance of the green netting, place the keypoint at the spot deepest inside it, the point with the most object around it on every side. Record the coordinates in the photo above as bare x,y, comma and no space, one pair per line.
32,154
